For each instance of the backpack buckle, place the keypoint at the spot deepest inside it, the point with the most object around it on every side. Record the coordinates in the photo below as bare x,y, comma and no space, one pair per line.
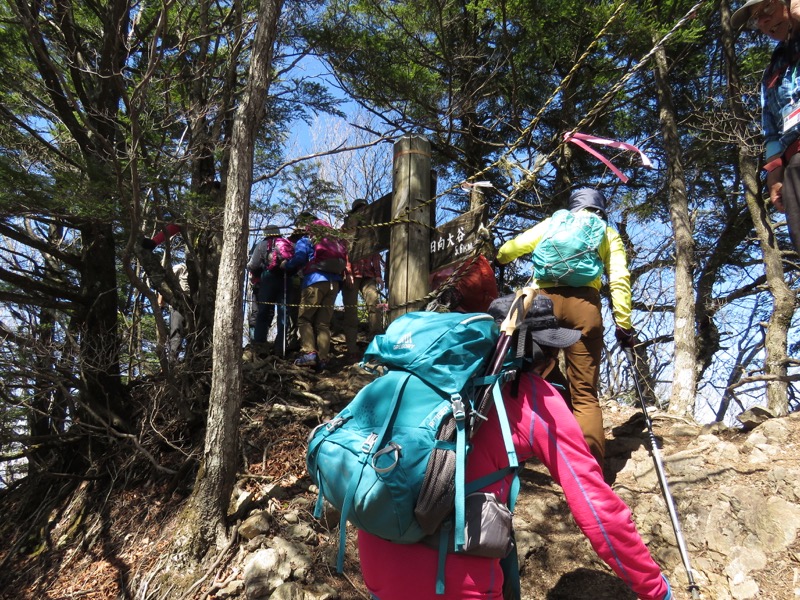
334,423
508,376
369,443
457,403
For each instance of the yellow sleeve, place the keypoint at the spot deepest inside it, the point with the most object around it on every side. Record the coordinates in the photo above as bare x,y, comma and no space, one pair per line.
612,251
522,244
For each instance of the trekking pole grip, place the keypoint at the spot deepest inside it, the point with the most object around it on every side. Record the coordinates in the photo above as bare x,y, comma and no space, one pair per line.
519,309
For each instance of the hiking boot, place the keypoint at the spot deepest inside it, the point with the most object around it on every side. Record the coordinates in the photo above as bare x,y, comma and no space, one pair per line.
307,360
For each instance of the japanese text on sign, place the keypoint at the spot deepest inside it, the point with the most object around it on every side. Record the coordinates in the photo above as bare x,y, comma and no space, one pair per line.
454,242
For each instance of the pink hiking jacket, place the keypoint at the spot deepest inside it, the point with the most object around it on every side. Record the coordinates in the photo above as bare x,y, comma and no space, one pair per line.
542,426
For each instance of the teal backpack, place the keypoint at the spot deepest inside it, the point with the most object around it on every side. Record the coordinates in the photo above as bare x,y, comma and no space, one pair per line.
393,461
567,253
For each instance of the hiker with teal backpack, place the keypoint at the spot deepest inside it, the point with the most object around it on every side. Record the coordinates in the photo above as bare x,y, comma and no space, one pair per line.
424,535
570,251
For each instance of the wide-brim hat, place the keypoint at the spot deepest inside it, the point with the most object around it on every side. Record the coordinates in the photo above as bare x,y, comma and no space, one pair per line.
541,322
272,231
358,203
741,16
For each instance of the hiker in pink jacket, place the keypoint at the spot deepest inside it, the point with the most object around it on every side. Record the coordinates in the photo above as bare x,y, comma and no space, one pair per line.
542,426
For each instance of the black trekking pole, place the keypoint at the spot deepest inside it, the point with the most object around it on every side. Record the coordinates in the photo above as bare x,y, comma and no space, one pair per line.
285,310
693,588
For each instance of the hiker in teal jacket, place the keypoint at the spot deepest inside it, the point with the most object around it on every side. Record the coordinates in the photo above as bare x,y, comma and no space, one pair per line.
579,308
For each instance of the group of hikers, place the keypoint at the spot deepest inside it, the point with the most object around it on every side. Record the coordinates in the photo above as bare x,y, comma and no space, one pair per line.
554,416
302,274
297,278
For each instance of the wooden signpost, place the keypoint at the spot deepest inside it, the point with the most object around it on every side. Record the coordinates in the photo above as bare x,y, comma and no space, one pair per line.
402,223
409,263
372,228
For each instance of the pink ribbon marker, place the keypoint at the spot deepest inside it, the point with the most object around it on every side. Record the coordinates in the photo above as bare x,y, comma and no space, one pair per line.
581,139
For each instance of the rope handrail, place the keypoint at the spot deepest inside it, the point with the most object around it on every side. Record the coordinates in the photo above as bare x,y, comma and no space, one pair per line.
529,175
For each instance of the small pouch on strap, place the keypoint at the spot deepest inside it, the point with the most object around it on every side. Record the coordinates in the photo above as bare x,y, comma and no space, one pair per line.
488,529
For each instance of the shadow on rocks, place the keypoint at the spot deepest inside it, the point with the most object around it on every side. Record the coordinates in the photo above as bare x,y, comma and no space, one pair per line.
589,584
628,438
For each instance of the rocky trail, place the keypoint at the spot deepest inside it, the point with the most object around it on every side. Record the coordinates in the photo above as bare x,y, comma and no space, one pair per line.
737,492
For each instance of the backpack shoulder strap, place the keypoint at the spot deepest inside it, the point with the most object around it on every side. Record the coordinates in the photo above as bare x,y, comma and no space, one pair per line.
457,524
269,245
461,467
508,444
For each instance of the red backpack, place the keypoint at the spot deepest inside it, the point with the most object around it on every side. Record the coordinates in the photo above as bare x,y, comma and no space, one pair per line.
330,252
475,285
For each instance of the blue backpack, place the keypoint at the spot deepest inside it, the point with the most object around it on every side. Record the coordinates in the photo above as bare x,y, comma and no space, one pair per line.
567,253
393,461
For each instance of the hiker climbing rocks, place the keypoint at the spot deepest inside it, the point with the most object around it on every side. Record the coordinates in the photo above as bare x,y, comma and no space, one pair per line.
542,426
780,107
363,276
570,251
152,265
177,321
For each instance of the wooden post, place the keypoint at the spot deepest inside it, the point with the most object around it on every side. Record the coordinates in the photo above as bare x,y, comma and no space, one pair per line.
475,198
410,242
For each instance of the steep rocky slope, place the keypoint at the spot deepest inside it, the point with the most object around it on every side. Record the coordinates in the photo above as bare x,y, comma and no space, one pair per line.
737,493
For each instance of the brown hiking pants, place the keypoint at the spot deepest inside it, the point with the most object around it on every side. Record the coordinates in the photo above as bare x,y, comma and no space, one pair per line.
579,308
314,318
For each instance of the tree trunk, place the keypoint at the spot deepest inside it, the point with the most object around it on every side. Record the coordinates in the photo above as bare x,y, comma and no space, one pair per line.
102,393
775,337
208,504
684,377
97,91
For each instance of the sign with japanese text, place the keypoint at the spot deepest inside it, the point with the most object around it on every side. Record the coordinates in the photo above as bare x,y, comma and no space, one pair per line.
457,240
